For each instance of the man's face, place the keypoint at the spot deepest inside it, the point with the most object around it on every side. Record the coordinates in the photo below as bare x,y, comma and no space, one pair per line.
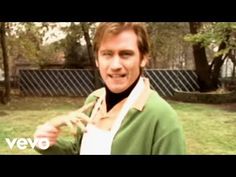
119,60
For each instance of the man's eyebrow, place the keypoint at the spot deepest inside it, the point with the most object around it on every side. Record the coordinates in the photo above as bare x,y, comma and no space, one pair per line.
106,50
126,51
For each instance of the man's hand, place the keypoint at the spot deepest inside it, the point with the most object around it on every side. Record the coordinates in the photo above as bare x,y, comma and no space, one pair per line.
51,129
47,131
73,119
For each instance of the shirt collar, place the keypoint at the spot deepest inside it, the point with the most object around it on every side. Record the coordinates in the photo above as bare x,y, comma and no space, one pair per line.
140,102
142,99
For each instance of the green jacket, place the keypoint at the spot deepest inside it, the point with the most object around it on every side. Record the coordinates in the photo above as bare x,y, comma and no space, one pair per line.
153,130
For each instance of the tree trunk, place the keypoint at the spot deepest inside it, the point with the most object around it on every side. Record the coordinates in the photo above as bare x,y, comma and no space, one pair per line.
202,68
219,60
233,72
6,94
208,75
89,45
91,55
232,56
215,69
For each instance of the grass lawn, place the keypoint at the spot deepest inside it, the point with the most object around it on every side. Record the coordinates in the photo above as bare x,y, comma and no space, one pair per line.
21,117
209,129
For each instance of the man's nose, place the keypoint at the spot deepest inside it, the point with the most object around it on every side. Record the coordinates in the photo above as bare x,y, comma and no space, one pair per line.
116,63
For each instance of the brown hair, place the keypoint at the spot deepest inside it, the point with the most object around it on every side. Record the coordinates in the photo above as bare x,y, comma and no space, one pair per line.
115,28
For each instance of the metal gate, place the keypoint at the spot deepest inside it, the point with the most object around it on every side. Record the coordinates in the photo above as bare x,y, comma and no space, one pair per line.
80,82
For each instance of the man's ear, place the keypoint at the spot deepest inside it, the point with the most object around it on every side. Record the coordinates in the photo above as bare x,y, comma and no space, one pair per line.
144,61
96,61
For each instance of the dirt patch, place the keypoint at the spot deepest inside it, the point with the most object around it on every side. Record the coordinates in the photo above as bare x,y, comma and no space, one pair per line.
228,107
2,113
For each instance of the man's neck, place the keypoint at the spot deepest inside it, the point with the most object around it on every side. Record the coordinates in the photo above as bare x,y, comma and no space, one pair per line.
113,98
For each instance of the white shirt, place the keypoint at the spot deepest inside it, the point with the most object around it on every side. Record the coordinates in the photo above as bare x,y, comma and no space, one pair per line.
97,141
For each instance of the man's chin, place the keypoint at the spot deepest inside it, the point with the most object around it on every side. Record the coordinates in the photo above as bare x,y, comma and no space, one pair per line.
116,90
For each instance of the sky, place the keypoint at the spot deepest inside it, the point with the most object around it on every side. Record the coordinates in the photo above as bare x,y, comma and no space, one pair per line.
55,34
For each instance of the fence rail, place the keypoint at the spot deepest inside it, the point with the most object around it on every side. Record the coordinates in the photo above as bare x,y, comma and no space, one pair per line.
80,82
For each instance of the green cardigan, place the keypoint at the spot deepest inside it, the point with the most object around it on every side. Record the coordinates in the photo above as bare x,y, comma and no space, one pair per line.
152,131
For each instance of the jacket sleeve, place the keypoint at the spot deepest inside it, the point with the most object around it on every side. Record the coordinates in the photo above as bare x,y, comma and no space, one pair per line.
62,147
173,143
169,134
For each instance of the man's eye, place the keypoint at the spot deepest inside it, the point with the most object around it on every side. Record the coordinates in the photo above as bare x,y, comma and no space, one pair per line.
107,54
126,55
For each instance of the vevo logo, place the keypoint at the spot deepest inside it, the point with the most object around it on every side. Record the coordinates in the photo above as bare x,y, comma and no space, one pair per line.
23,143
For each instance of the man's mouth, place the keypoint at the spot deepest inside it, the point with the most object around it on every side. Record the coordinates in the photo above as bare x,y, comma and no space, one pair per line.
117,75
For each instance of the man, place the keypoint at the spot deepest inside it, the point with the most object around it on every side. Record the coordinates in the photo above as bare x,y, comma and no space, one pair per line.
126,116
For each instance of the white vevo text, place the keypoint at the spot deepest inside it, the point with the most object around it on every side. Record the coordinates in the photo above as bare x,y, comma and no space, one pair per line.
23,143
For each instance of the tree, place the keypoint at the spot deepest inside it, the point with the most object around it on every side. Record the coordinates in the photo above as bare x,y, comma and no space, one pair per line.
26,39
232,56
168,47
6,94
75,53
85,29
217,36
78,55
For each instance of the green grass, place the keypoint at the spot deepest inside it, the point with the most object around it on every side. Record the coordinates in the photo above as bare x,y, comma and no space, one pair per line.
209,129
21,117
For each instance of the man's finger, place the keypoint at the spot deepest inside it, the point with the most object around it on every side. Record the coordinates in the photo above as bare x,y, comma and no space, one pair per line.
81,126
84,118
73,128
85,107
